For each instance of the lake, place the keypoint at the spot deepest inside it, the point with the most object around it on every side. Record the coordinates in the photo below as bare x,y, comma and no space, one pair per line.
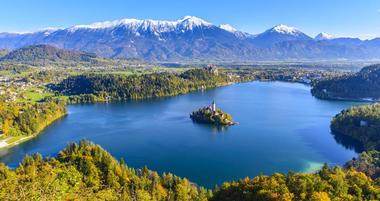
281,128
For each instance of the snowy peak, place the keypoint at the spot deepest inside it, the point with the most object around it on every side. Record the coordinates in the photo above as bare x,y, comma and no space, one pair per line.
283,29
324,36
187,23
228,28
278,34
191,22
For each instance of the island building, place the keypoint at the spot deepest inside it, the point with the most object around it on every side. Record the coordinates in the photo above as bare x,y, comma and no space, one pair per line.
213,106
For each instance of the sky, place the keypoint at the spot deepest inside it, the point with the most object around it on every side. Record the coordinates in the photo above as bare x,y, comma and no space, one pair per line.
351,18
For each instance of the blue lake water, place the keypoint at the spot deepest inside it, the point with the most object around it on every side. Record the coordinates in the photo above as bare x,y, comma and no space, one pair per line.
282,128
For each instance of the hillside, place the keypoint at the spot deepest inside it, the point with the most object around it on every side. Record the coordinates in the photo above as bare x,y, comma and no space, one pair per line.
105,87
85,171
364,85
194,39
361,123
45,54
367,162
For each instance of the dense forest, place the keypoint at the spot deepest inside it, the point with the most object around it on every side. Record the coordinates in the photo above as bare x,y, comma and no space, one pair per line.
26,118
367,162
362,85
361,123
327,184
103,87
85,171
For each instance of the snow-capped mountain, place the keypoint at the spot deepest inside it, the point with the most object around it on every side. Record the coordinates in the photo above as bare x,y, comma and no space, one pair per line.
324,36
228,28
235,31
192,39
278,34
136,26
283,29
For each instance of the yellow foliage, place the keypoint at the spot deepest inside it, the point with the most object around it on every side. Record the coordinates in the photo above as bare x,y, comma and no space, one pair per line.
320,196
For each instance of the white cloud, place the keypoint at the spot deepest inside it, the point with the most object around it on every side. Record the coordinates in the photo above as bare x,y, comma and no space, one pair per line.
378,10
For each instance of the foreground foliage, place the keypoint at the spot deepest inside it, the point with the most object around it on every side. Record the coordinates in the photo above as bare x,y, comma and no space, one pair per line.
360,123
85,171
327,184
367,162
362,85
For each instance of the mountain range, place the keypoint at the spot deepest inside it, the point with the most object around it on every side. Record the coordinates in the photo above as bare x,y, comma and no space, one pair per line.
194,39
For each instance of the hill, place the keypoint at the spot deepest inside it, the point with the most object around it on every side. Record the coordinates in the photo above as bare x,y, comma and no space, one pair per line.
361,123
367,162
105,87
85,171
45,54
364,85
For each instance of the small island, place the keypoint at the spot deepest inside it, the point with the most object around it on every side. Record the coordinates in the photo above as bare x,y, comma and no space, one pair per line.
212,115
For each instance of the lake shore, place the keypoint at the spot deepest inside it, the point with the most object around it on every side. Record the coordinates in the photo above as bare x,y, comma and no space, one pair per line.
159,133
5,142
11,142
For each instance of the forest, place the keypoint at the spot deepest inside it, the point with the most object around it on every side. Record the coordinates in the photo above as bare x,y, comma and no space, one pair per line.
106,87
360,86
84,171
360,123
367,162
29,118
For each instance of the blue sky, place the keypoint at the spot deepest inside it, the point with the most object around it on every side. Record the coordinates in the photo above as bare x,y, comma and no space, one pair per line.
357,18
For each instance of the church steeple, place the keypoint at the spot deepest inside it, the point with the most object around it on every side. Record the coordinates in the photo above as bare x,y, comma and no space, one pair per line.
213,106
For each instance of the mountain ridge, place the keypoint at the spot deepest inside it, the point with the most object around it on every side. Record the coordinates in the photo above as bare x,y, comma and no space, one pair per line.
193,39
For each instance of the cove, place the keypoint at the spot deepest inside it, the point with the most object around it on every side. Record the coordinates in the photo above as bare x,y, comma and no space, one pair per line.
281,128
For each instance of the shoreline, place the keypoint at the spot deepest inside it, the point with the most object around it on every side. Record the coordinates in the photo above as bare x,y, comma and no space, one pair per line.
5,145
362,100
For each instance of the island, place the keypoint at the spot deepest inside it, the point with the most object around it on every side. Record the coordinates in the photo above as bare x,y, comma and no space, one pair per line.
212,115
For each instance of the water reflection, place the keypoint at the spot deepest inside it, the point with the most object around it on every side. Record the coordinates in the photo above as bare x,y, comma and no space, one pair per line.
348,142
214,129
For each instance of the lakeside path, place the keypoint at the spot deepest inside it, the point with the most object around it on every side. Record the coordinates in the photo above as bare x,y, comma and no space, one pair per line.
11,141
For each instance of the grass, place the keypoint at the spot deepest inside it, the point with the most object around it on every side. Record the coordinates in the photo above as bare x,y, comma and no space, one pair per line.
35,95
13,139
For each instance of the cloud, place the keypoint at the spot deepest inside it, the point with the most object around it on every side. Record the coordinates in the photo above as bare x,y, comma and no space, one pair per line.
378,10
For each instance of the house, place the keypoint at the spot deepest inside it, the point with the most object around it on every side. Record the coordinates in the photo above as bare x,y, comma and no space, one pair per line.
363,123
